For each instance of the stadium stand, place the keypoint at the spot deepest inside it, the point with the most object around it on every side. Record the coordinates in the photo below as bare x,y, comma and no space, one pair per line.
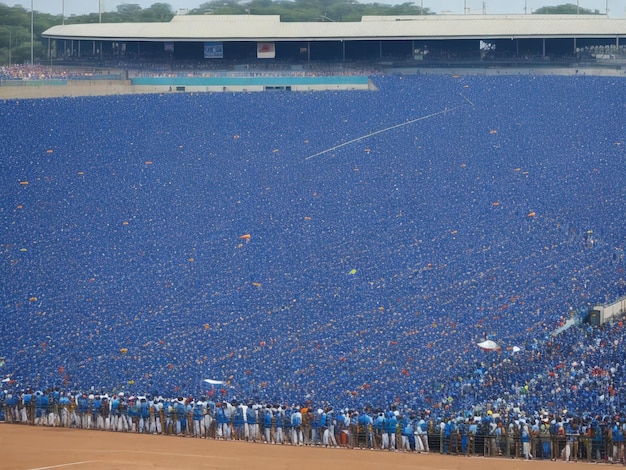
323,249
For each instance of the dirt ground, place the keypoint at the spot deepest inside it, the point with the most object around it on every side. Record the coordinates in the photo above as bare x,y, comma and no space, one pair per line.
39,448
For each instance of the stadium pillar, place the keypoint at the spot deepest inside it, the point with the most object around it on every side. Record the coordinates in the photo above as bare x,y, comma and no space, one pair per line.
308,51
543,41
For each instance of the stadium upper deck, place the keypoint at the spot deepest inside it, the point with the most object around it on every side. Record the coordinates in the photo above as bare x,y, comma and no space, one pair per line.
417,38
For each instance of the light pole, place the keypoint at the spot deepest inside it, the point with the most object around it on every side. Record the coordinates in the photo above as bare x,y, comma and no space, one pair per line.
32,33
63,11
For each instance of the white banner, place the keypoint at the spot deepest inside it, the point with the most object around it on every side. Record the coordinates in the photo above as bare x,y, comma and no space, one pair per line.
265,50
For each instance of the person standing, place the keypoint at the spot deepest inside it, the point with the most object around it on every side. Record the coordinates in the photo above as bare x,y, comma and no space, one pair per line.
296,428
72,412
267,424
315,426
197,415
618,441
525,437
287,412
278,424
391,425
28,407
407,430
239,421
366,426
554,439
82,404
64,404
178,416
123,424
41,408
252,419
209,418
464,435
328,428
223,416
106,412
96,410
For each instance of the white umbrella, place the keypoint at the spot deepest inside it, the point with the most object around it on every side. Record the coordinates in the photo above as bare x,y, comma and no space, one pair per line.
489,345
214,382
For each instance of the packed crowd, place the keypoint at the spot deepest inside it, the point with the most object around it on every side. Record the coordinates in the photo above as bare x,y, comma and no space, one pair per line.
347,248
42,72
192,69
514,435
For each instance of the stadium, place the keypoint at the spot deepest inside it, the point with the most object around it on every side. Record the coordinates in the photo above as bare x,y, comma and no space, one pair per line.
441,250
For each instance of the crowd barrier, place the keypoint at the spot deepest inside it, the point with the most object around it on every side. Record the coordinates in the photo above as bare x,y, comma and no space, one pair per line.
203,422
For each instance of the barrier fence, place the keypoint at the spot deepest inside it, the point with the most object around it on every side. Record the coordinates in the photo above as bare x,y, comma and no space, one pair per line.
274,425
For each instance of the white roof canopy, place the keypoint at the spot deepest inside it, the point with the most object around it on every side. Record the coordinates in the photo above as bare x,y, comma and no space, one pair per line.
270,28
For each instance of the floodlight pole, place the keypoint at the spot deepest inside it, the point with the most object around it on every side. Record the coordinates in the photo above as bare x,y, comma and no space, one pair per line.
100,11
32,32
63,10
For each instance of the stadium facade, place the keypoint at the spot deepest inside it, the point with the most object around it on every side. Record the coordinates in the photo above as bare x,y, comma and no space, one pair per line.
374,39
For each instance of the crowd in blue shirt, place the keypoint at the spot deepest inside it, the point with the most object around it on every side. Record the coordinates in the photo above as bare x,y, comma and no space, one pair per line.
150,242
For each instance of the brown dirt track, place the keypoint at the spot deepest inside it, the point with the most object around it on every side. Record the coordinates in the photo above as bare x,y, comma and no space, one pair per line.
39,448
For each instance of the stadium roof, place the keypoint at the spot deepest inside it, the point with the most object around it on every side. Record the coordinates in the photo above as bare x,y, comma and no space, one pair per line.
270,28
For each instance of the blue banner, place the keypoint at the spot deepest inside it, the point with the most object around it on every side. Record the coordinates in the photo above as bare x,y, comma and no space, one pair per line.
213,50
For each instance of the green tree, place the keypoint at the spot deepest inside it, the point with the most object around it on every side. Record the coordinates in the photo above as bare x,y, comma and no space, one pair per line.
162,11
565,9
130,11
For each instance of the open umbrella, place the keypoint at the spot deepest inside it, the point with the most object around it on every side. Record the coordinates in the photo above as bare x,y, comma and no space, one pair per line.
214,382
489,345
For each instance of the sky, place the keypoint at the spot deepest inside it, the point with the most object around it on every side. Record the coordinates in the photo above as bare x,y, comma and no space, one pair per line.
617,8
